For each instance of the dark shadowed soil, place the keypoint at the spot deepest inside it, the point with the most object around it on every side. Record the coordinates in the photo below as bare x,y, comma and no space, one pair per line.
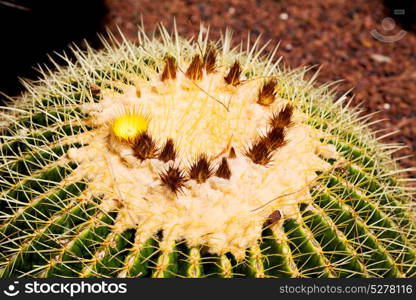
32,29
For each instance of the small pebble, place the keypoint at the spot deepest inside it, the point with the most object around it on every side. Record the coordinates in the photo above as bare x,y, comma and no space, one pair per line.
288,47
380,58
284,16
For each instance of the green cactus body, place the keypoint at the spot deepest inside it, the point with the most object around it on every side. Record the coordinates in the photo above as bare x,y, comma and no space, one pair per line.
180,158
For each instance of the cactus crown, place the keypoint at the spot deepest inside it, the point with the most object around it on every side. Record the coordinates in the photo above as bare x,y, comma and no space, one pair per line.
191,158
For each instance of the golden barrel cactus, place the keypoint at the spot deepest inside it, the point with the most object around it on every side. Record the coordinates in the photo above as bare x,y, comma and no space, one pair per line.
194,158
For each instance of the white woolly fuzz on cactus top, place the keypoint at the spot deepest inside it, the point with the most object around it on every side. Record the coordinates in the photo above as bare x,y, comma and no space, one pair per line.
206,116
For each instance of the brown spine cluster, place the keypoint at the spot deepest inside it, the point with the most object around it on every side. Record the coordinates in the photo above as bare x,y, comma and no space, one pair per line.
194,71
261,152
201,169
95,90
173,178
168,151
273,218
283,118
267,93
233,76
169,72
275,138
223,170
232,153
145,147
210,59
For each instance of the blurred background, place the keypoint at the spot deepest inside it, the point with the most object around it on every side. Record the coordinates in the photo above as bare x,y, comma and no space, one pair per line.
369,44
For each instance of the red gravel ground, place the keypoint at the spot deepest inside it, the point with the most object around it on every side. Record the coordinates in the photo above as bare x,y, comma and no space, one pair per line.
335,34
